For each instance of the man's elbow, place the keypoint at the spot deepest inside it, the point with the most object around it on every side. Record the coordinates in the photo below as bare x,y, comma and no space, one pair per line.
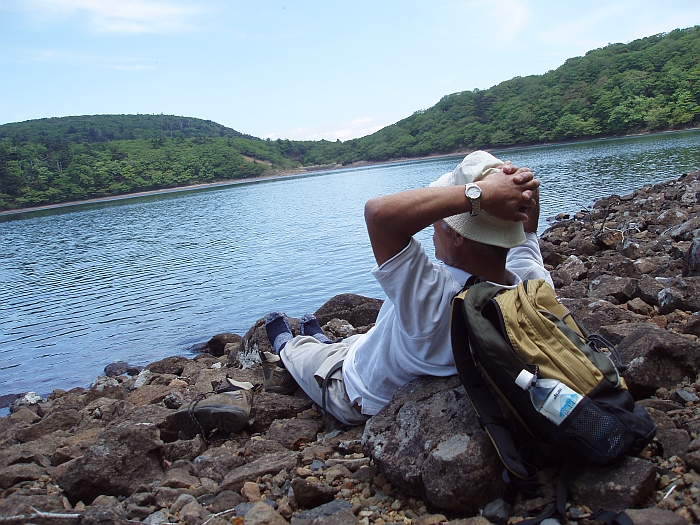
373,211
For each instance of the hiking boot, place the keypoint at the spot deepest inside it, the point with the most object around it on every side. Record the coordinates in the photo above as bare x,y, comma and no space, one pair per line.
276,378
227,411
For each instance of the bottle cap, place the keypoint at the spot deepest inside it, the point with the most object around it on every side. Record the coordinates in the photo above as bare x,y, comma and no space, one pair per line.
524,379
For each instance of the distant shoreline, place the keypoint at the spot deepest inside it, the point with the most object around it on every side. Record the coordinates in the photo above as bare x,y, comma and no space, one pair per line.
300,172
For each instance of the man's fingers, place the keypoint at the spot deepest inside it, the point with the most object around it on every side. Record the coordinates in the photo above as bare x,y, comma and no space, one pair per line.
523,175
508,168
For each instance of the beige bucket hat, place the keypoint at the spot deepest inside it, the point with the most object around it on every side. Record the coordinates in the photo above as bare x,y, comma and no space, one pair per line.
484,227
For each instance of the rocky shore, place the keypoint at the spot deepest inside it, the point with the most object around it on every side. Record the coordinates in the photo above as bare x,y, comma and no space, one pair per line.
629,268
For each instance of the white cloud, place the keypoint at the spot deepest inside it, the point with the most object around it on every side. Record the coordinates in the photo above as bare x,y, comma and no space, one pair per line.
493,22
356,128
117,16
69,58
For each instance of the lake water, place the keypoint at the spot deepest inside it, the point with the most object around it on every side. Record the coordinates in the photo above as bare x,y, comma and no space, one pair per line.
144,278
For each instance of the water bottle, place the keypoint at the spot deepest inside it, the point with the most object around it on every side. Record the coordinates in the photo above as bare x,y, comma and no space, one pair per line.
550,397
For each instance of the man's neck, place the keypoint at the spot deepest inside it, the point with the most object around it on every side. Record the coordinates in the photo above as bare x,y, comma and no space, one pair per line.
493,270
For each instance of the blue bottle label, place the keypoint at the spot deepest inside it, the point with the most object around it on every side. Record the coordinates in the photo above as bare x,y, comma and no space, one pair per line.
560,403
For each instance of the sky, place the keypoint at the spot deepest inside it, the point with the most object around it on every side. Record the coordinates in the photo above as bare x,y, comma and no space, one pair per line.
302,69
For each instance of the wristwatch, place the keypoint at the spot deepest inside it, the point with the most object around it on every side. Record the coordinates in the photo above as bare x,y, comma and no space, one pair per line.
473,193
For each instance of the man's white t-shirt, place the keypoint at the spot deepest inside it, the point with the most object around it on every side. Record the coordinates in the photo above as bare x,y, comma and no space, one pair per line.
411,337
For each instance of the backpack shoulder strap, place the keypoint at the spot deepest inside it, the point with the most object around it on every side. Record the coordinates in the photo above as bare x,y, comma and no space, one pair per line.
480,395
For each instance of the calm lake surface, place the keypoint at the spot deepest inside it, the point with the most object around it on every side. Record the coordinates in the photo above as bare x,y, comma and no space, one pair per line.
144,278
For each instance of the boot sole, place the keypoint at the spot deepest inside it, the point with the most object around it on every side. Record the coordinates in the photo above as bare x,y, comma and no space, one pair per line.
225,418
283,390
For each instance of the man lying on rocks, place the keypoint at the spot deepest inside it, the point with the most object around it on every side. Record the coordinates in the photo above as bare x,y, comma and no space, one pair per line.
484,214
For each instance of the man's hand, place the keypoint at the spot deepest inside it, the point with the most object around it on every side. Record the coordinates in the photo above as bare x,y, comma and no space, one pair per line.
509,195
533,214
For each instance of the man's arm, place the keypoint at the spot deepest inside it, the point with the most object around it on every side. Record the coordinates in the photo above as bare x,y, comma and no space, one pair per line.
393,219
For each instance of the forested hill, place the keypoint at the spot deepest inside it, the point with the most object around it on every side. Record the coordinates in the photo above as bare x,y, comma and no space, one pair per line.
103,128
650,84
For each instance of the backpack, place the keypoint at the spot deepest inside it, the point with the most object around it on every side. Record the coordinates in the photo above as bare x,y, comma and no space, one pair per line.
499,331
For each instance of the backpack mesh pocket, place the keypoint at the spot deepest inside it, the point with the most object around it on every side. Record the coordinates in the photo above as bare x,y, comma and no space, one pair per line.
595,435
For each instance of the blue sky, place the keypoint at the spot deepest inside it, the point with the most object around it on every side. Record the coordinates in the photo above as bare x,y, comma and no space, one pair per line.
294,69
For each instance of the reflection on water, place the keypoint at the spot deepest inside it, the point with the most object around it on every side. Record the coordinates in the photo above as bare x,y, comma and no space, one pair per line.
144,278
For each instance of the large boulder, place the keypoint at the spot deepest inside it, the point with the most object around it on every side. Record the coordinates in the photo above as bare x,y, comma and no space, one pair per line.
358,310
657,358
428,442
122,459
682,294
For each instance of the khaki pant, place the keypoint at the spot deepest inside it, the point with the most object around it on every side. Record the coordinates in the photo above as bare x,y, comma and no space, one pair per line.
310,362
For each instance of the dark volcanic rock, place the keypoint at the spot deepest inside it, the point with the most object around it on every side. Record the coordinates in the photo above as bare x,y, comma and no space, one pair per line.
428,442
356,309
216,345
657,359
122,459
170,365
309,495
614,487
271,464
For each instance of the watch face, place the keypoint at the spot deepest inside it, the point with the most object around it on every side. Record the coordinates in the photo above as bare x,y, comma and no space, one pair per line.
473,192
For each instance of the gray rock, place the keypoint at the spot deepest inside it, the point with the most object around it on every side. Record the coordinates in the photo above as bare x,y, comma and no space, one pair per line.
342,517
594,313
428,442
18,503
177,478
583,245
691,261
135,512
655,516
692,324
673,441
685,231
104,387
166,496
142,499
62,420
683,294
262,514
498,511
293,432
621,289
271,464
121,460
327,509
170,365
14,474
193,513
356,309
30,399
216,467
614,487
309,495
105,515
216,345
648,289
184,449
682,396
574,268
269,407
119,368
657,358
226,500
157,518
